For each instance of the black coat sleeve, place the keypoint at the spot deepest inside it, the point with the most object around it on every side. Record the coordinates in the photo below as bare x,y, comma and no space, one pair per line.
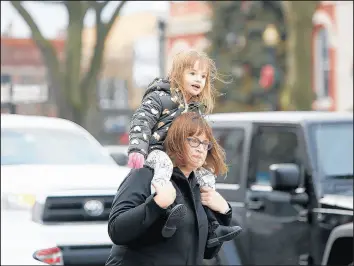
224,219
134,209
143,121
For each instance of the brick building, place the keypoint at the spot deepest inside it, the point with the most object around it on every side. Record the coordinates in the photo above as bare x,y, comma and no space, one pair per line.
187,26
332,62
22,62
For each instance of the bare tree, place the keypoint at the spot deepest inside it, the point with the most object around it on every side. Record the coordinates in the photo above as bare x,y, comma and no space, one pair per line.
74,89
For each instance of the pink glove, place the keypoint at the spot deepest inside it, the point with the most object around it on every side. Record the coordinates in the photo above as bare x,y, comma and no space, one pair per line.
136,160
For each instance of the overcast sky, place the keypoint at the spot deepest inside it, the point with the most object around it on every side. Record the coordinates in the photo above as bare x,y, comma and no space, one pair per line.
52,17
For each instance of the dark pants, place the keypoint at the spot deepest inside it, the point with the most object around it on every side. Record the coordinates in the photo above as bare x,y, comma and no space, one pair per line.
212,221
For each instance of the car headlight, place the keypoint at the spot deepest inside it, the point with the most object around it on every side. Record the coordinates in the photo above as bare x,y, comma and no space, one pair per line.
18,201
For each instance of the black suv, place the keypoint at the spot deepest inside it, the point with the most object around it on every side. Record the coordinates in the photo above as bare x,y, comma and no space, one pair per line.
290,183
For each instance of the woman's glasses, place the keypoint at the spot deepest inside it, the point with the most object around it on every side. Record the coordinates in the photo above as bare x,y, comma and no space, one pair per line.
194,142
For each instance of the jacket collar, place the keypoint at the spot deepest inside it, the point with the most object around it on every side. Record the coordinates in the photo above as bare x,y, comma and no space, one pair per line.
180,177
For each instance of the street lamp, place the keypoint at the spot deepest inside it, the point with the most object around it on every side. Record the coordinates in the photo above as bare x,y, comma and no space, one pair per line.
7,84
271,39
270,78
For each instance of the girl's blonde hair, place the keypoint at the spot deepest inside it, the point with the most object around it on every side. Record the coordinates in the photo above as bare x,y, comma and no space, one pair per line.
186,60
192,124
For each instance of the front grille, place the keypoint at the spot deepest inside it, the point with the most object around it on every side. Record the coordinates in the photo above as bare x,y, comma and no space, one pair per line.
71,209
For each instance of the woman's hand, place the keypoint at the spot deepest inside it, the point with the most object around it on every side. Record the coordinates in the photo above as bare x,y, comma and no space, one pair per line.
212,199
165,194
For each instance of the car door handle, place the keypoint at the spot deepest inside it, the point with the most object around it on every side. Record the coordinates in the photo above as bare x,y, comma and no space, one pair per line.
255,205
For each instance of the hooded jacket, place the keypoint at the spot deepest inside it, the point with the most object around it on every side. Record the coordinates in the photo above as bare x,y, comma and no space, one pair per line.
151,121
135,224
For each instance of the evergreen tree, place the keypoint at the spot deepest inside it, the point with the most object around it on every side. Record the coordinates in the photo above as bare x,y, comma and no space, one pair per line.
239,50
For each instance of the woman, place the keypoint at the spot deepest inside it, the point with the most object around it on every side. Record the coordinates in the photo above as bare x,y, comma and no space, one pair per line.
137,217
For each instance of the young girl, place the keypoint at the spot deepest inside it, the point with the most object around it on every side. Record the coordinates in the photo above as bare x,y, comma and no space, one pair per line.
188,88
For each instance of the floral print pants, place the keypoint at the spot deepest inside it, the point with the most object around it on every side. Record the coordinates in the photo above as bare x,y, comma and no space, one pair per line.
163,167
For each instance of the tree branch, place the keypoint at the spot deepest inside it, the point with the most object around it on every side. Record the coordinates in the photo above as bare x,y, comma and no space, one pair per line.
114,16
48,53
45,46
104,3
95,5
102,31
29,20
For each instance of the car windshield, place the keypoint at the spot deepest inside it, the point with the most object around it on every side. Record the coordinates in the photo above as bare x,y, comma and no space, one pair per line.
50,147
334,149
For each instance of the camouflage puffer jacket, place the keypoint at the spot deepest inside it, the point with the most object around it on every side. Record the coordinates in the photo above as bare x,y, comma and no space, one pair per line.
151,121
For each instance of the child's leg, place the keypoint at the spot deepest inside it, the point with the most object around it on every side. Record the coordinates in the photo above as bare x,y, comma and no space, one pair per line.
163,167
205,178
217,233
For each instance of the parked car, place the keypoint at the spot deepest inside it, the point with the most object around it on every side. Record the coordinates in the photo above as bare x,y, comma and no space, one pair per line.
20,243
41,155
119,153
290,183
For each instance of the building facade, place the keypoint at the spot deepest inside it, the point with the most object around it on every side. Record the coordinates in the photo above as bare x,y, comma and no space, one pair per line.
119,49
22,64
188,23
332,48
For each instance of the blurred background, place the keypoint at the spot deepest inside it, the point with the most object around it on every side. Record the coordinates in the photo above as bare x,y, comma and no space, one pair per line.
91,62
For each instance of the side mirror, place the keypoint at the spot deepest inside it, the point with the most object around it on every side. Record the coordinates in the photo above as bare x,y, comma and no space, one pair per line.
285,177
120,158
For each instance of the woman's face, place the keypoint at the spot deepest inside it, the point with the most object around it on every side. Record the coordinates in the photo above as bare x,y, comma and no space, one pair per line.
197,150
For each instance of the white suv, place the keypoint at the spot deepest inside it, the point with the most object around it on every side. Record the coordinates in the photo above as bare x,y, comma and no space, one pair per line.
57,169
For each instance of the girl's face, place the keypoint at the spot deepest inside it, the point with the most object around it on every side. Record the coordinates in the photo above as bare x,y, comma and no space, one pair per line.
194,80
196,151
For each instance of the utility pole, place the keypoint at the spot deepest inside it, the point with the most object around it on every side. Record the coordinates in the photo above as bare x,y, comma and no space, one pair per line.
6,81
12,105
162,39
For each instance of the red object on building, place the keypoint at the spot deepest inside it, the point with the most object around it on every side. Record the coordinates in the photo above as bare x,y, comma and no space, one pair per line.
267,77
24,52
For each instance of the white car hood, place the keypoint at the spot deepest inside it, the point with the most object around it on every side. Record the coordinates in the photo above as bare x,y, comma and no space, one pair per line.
338,200
40,178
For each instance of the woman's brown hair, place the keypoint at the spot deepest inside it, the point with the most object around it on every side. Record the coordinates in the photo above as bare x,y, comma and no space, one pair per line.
193,124
186,60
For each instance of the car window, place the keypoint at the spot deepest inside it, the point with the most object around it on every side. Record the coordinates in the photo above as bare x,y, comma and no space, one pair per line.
50,147
273,147
334,148
232,140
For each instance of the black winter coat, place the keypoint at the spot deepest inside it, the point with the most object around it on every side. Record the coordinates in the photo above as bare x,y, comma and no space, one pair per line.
151,121
136,221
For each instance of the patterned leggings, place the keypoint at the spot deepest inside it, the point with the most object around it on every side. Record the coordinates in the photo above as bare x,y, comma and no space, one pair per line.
163,167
